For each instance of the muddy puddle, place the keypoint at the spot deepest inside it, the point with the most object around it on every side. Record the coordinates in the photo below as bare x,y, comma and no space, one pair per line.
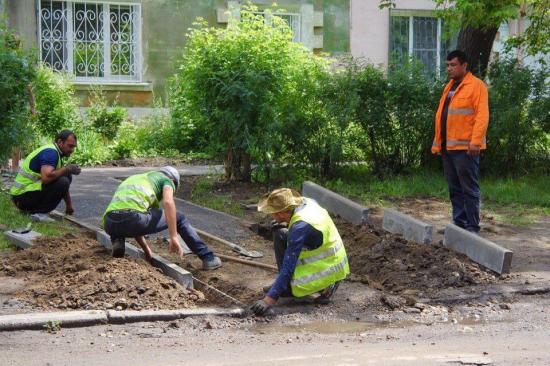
353,327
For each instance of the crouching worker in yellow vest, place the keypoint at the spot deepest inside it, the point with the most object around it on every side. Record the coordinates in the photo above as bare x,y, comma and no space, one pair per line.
42,181
135,212
310,254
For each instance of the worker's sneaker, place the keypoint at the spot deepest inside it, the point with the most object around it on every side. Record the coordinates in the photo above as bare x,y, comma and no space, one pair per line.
266,289
327,294
41,217
119,247
211,263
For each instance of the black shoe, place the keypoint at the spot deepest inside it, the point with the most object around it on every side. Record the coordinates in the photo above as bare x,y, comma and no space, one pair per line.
266,289
327,294
119,247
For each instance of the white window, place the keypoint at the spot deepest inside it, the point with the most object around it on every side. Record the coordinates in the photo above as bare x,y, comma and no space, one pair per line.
419,35
292,19
95,41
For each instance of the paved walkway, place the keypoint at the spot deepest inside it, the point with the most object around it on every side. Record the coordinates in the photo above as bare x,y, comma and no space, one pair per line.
93,189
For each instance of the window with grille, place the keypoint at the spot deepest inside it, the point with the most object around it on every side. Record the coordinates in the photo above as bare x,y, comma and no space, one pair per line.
292,19
94,41
419,36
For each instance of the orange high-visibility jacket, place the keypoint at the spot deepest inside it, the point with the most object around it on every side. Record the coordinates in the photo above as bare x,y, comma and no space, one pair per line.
468,116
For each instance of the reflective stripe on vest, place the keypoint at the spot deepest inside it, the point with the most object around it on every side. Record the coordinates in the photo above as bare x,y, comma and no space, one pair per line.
458,142
318,268
460,111
327,272
27,180
135,193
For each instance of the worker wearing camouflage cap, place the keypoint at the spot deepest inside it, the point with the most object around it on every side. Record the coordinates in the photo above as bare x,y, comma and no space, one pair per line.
310,253
135,212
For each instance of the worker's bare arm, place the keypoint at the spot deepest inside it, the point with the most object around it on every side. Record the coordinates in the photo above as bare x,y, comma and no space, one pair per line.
49,173
169,206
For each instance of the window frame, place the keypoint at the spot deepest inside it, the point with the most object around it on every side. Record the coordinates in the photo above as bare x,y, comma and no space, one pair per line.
107,78
411,14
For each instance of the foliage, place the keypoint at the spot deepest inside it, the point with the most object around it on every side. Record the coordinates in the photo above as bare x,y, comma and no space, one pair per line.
519,100
126,145
56,104
16,75
52,326
155,135
105,120
232,83
91,148
536,37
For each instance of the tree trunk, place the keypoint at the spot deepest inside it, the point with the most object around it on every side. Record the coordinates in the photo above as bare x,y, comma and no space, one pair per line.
477,43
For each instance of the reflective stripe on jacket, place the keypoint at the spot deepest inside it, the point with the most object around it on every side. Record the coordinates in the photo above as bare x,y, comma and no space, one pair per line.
467,118
318,268
28,180
134,193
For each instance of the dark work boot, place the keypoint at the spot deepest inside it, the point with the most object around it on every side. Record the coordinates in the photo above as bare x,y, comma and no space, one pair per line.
327,294
119,247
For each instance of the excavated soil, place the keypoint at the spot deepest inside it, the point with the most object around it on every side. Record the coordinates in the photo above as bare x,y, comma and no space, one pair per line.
75,272
390,263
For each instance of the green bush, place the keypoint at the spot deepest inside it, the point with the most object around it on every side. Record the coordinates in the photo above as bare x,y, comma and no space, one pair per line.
91,149
16,74
231,87
56,104
105,120
519,101
126,145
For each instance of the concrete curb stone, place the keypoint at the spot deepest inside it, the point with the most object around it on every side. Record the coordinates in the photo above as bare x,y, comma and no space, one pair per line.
65,319
412,229
478,249
83,318
336,204
22,241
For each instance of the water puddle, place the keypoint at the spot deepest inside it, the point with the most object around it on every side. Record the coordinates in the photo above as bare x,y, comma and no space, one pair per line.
348,327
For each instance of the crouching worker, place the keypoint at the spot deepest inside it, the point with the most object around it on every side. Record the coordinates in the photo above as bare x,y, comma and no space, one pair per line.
310,254
42,181
134,212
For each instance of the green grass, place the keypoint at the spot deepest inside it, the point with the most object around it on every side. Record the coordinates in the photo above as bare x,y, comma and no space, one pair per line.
515,200
203,195
11,218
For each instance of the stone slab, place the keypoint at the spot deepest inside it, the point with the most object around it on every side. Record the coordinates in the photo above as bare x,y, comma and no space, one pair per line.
478,249
336,204
130,316
65,319
412,229
22,241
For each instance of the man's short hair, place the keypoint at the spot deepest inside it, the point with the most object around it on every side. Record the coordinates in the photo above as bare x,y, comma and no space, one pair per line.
460,55
64,135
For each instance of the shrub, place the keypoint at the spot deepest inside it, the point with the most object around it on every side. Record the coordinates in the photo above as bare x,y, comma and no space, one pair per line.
56,105
519,101
230,88
16,75
91,149
103,119
126,145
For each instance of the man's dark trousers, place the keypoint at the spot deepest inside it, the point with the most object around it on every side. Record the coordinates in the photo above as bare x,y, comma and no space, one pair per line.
462,174
45,200
129,224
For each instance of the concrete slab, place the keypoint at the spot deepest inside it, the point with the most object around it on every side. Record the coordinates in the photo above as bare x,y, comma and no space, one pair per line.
22,241
132,316
336,204
65,319
412,229
478,249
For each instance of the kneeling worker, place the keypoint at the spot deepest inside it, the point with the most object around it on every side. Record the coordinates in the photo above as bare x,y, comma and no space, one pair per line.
134,212
42,181
310,254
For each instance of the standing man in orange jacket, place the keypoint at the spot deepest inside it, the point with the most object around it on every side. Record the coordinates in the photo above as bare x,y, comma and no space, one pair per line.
460,134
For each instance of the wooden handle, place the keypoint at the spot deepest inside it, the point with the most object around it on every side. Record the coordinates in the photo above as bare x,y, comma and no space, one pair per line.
245,261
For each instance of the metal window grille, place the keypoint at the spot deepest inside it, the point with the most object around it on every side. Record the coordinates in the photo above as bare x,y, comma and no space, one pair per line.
292,19
420,37
93,40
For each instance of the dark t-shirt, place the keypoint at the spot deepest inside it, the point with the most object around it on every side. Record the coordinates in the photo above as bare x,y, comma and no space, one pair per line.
48,157
445,113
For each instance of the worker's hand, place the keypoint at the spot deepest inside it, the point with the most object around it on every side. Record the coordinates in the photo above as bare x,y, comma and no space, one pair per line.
474,150
73,169
175,247
260,307
69,210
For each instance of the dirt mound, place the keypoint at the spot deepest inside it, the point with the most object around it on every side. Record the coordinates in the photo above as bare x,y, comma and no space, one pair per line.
390,263
78,273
